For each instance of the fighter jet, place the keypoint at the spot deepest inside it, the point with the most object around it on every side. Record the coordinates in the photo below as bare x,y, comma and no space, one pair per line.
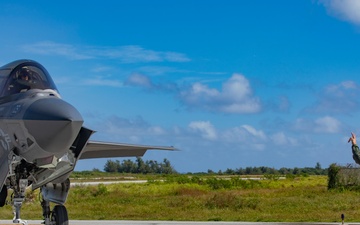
42,138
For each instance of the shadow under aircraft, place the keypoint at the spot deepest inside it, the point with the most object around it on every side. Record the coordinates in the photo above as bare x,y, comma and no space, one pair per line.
42,138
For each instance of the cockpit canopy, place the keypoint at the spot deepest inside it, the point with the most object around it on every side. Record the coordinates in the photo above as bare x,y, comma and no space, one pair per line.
23,75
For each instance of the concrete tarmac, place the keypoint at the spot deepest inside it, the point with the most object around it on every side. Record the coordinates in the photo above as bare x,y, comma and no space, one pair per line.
135,222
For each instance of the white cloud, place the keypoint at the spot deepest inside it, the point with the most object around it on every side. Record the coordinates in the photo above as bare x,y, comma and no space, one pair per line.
344,9
137,79
341,88
175,57
259,134
134,53
205,128
52,48
199,89
245,137
143,81
157,130
102,81
135,130
349,84
281,139
235,134
327,124
235,97
159,70
337,98
125,54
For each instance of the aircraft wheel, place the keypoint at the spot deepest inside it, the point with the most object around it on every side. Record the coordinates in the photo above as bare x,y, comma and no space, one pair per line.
59,215
3,195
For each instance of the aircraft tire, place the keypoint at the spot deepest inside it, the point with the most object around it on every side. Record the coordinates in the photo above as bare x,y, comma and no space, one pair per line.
59,215
3,195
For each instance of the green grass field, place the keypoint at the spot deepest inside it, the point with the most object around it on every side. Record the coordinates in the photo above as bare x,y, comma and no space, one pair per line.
299,199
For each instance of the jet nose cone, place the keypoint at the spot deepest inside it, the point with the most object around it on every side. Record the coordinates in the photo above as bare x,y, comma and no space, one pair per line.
52,109
53,123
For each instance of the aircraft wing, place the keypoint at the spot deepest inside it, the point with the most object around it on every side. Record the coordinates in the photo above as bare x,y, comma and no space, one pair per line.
96,149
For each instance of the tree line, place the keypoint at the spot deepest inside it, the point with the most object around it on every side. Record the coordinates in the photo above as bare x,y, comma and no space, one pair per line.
317,170
153,167
139,166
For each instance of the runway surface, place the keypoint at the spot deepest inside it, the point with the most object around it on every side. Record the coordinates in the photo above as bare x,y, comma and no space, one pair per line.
127,222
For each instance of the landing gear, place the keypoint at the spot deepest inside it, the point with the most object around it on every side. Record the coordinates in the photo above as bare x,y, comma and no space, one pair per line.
59,215
3,195
17,203
17,200
56,193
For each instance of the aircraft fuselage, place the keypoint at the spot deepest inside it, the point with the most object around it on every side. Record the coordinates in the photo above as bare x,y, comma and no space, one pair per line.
42,138
38,125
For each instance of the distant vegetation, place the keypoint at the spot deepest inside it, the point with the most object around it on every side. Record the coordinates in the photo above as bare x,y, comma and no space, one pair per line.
153,167
182,197
139,166
317,170
257,194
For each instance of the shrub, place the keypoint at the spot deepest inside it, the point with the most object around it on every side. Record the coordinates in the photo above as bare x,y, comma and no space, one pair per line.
343,177
333,179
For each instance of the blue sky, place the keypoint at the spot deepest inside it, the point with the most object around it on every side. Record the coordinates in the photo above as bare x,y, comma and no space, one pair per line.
230,83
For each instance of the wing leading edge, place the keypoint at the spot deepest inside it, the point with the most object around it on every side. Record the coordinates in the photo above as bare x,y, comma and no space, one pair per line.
96,149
